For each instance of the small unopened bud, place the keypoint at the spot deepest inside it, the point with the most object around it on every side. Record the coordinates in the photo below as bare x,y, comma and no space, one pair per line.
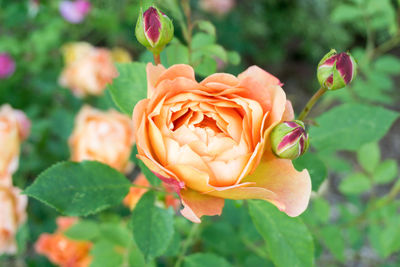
154,30
335,71
289,139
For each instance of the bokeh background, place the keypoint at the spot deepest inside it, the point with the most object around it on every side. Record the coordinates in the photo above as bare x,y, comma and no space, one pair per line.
286,38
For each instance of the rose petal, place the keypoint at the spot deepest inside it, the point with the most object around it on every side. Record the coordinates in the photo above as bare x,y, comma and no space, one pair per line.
197,205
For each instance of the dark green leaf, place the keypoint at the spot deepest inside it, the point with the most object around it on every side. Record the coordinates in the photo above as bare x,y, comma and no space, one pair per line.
130,86
152,227
79,189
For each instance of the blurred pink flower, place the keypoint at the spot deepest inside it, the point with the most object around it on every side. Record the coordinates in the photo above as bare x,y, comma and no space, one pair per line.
7,65
217,7
74,11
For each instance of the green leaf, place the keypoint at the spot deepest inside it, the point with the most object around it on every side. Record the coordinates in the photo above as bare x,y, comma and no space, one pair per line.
355,184
105,255
205,260
315,167
333,239
289,241
349,126
207,67
386,172
206,26
177,53
152,227
388,64
83,230
201,40
346,13
233,58
116,234
369,156
79,189
130,86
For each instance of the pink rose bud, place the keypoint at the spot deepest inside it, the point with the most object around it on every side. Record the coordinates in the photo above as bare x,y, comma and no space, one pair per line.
335,71
289,139
7,65
74,11
154,29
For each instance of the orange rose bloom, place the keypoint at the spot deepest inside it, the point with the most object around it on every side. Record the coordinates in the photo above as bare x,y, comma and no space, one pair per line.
12,215
211,139
88,69
103,136
14,128
63,251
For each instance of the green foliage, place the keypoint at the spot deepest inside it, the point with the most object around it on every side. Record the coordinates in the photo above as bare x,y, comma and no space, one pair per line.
349,126
369,156
79,189
355,184
83,230
204,260
152,227
289,241
130,87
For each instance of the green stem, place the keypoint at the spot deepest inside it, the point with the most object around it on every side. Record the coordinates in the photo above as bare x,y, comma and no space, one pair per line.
189,240
311,103
157,58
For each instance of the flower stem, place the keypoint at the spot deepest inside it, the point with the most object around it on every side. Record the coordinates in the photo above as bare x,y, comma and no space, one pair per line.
157,59
189,240
311,103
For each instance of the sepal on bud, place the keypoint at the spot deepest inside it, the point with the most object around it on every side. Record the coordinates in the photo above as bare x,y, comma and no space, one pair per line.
335,70
154,29
289,139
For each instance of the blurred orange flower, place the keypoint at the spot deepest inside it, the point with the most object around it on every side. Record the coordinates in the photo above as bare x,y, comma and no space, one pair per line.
61,250
14,128
210,140
89,69
105,136
12,215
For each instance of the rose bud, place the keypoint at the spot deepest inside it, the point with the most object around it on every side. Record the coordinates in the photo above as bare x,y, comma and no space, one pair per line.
7,65
335,71
154,30
289,139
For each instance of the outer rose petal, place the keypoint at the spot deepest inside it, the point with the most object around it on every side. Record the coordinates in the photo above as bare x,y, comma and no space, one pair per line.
197,205
292,188
288,114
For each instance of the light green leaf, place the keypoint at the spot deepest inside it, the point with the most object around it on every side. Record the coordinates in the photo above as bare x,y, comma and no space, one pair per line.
206,26
369,156
205,260
201,40
83,230
152,227
355,184
177,53
315,167
386,172
349,126
346,13
333,239
116,234
105,255
233,58
130,86
207,67
387,64
79,189
289,241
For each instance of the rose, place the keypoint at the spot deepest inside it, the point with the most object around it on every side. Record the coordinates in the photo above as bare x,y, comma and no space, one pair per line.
14,128
12,215
103,136
88,69
210,139
61,250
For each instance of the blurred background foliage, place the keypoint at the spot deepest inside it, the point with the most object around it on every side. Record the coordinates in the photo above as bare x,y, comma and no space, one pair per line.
354,216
